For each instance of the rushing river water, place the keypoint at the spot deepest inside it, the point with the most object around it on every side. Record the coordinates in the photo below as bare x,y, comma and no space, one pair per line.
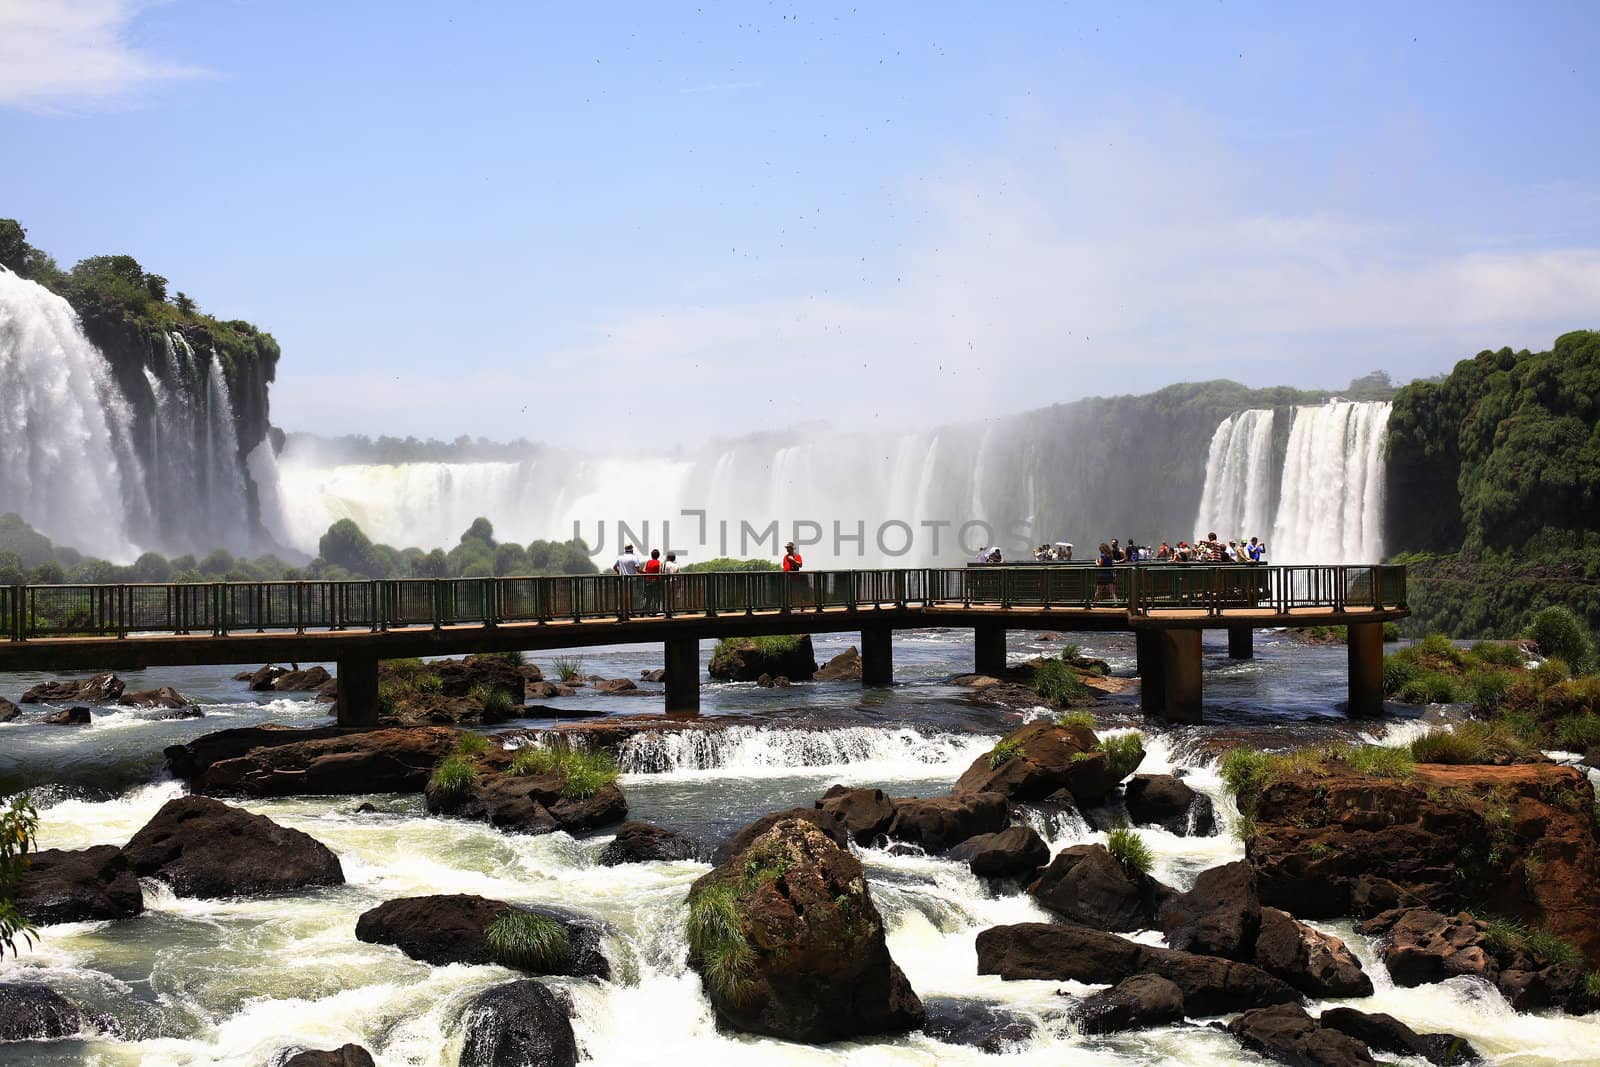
195,982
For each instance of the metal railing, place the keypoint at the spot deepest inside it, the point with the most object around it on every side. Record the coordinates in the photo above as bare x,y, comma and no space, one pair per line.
221,608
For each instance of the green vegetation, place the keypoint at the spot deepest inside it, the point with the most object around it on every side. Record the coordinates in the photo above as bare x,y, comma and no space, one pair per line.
1339,635
726,563
1591,986
1084,719
1129,849
1124,752
1247,771
1060,685
1003,751
1507,935
496,702
1469,742
404,680
19,826
1562,635
568,668
584,773
471,744
516,659
717,939
527,941
453,777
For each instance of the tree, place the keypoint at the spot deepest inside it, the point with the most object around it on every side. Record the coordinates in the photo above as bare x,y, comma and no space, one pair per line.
346,546
14,246
433,565
156,286
185,303
19,824
151,567
480,530
217,563
510,559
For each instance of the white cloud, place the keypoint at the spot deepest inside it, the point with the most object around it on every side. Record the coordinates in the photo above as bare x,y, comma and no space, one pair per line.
57,53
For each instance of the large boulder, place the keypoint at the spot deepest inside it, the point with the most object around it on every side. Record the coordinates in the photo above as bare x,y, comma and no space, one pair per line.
76,716
830,822
343,1056
866,813
30,1012
8,710
190,760
461,676
164,697
1381,1032
1318,964
205,848
1013,852
274,679
1164,801
452,928
938,823
67,887
530,804
1029,764
101,689
1059,951
1284,1032
1220,916
640,842
519,1024
1136,1003
789,944
845,667
363,761
747,659
1085,884
975,1024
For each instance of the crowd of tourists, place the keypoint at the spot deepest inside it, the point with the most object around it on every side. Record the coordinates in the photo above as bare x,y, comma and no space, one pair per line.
1210,549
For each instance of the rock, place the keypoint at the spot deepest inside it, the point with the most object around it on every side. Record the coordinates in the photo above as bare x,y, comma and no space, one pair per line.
1085,884
845,667
1318,964
30,1012
335,763
67,887
1040,762
767,681
816,966
165,697
639,842
459,677
1385,1033
519,1024
938,823
1090,778
548,690
8,710
190,760
343,1056
1014,851
1591,758
532,804
1425,946
1220,916
975,1024
1287,1034
610,686
451,928
743,660
1136,1003
830,823
101,689
205,848
263,677
78,716
1164,801
658,675
298,681
1211,985
866,813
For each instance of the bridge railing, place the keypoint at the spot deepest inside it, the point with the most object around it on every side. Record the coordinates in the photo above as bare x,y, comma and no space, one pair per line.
218,608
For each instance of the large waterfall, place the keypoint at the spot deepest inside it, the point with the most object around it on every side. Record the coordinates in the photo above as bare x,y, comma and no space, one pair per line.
1238,491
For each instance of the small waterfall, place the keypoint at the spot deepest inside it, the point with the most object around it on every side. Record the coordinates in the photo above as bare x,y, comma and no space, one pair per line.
1330,507
763,752
1238,477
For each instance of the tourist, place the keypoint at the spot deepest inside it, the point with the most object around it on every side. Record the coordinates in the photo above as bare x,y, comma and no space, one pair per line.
1257,551
791,558
1064,551
1105,579
652,583
671,565
1117,555
982,556
627,563
994,554
1164,552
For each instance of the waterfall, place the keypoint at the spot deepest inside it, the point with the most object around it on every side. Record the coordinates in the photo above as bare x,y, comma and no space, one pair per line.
1238,484
1330,507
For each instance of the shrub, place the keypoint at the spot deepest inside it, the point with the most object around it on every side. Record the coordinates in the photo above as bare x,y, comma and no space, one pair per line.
1391,631
1057,683
1004,751
1470,742
1502,934
19,824
496,702
1497,653
1377,761
716,937
584,773
1552,672
532,759
568,668
1444,746
527,941
1489,690
1397,671
1430,687
1129,849
1561,634
1579,733
1070,653
1124,752
452,777
1437,648
1248,770
1553,949
470,744
1591,985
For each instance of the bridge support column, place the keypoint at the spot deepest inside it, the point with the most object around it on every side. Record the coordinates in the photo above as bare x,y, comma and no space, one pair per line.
1180,675
1152,681
877,655
1365,647
1241,642
358,690
989,648
683,675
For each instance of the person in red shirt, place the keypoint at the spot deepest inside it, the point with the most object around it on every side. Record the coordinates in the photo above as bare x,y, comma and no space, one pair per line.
791,558
652,582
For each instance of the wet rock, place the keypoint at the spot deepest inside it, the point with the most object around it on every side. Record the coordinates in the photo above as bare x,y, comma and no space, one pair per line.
90,884
1012,852
829,822
1318,964
262,678
459,677
1090,779
866,813
1040,762
165,697
1384,1033
613,686
640,842
658,675
1163,800
101,689
78,716
519,1024
30,1012
817,967
845,667
343,1056
205,848
1287,1034
974,1024
451,928
1136,1003
1059,951
1424,946
938,823
190,760
8,710
336,762
548,690
742,660
1085,884
1220,916
530,804
767,681
301,681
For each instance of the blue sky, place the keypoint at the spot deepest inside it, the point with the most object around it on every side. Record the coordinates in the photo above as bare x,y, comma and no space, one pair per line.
644,225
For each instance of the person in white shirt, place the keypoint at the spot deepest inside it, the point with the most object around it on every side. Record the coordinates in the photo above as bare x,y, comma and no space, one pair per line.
627,563
671,565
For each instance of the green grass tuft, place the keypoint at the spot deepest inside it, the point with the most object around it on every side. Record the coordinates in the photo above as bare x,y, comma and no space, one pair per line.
584,773
1469,743
1377,761
1057,683
1129,849
1553,949
1579,733
496,702
1003,751
516,659
717,939
1084,719
471,744
1591,986
568,668
452,777
527,941
1124,752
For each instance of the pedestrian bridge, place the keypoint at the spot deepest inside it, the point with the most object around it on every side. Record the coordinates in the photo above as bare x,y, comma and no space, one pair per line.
358,623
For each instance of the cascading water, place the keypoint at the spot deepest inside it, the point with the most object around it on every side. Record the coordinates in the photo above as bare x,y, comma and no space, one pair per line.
1238,487
1330,507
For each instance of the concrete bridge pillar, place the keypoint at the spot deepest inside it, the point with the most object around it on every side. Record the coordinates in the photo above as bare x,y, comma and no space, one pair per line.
1180,675
1365,648
358,690
877,655
683,675
989,648
1152,681
1241,642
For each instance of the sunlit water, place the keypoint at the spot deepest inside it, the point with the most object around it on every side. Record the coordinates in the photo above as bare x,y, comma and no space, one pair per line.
233,982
